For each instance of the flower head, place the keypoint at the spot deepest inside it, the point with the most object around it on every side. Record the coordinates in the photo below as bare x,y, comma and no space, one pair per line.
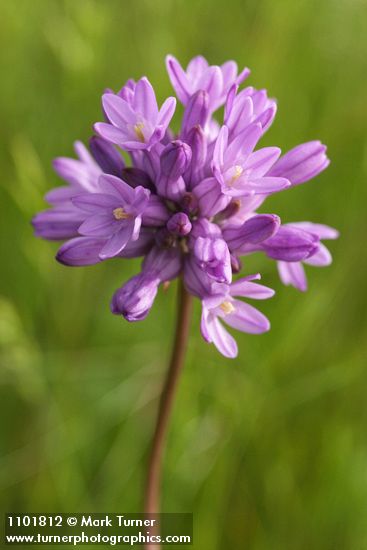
187,202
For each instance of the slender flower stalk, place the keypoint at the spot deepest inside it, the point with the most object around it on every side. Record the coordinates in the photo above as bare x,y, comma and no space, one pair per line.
152,489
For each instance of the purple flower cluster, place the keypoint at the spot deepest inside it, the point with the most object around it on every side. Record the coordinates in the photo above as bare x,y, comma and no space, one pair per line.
188,202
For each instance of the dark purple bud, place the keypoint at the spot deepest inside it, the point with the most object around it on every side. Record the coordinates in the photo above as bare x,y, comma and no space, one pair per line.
175,159
179,224
255,230
135,177
196,112
80,251
291,244
106,156
135,298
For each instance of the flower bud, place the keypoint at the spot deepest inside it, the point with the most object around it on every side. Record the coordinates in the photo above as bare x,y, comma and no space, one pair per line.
175,159
179,224
135,298
196,111
252,231
291,244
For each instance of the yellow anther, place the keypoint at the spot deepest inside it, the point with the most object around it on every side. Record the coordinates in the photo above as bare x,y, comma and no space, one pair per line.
139,131
120,214
237,173
227,307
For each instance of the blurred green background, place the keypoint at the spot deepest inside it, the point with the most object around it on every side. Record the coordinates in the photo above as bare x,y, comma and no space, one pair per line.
269,450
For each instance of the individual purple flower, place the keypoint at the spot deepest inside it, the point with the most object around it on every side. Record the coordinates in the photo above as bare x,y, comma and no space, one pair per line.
214,80
293,273
63,219
136,123
115,213
302,163
241,171
235,313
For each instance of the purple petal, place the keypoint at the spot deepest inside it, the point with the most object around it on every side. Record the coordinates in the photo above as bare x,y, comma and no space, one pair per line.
155,213
99,225
111,185
229,71
261,161
243,75
61,194
211,200
117,242
321,258
80,252
293,273
95,202
247,289
319,229
57,224
247,318
106,156
244,143
118,111
144,101
267,185
302,163
166,112
196,67
165,264
219,149
112,134
216,333
178,79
